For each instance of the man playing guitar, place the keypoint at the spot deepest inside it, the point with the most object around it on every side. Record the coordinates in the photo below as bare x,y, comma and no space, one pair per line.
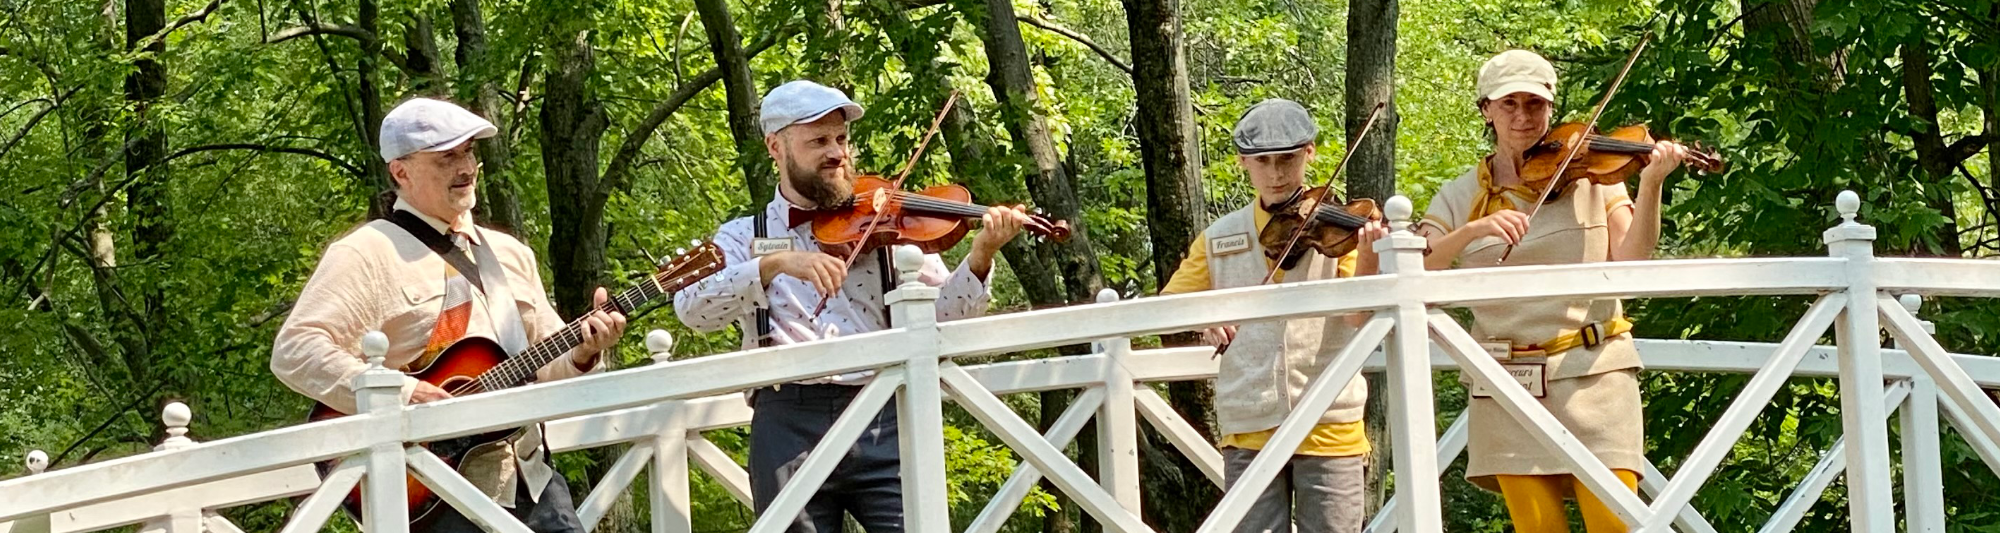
427,291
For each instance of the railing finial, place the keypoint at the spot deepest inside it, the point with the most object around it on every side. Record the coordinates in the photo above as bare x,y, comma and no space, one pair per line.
1911,302
375,345
38,461
660,344
909,263
176,416
1107,295
1398,210
1849,205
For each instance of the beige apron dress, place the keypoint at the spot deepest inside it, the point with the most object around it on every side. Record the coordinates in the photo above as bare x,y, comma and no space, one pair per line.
1594,392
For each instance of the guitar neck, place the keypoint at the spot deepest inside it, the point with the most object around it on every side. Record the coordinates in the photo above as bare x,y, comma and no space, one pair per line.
518,368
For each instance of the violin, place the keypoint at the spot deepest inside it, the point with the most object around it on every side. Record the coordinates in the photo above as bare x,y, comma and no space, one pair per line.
1605,158
1330,232
933,219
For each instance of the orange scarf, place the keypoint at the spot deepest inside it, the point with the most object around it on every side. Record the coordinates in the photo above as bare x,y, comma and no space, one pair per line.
1494,198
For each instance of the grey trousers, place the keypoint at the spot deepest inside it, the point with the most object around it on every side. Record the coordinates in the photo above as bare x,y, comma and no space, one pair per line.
1318,494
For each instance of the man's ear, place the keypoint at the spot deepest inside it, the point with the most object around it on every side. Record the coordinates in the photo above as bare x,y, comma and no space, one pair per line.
772,142
398,174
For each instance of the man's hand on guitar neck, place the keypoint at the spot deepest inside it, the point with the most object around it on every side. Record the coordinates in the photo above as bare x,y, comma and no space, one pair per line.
601,331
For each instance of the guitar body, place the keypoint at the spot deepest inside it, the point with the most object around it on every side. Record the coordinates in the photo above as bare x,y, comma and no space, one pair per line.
463,362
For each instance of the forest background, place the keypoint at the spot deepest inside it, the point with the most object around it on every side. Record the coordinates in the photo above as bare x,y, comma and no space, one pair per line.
171,169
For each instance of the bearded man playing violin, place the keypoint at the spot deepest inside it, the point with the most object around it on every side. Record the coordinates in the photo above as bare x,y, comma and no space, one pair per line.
1267,366
776,277
1577,355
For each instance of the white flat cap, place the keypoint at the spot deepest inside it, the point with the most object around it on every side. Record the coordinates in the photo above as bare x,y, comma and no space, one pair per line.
426,125
1517,71
803,101
1274,126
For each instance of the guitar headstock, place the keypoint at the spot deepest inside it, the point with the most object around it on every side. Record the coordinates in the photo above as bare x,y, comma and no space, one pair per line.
689,266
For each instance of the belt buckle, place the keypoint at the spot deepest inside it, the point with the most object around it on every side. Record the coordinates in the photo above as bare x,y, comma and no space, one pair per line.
1592,335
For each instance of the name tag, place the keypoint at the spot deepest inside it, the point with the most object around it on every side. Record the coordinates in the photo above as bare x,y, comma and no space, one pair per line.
1531,376
764,247
1229,244
1501,350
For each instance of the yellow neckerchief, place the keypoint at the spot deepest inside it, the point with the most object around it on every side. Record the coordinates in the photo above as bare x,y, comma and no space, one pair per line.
1494,198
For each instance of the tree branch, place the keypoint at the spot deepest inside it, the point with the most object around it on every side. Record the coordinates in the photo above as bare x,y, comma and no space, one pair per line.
200,15
367,39
33,121
620,167
343,164
321,28
1058,29
1967,147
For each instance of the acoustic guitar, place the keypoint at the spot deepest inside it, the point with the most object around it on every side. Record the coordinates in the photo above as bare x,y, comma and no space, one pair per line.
477,364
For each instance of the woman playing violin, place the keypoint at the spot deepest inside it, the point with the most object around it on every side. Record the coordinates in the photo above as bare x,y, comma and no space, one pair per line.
1579,353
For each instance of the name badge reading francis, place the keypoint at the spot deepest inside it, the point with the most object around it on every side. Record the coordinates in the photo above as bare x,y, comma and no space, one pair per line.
1229,244
764,247
1531,376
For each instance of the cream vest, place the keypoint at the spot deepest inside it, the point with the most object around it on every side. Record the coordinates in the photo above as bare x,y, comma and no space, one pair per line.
1270,364
1571,229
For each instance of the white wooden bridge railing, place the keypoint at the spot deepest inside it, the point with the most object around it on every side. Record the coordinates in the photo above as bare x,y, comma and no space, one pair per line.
662,409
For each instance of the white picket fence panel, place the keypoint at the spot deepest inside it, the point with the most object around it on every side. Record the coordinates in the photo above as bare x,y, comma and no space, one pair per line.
662,409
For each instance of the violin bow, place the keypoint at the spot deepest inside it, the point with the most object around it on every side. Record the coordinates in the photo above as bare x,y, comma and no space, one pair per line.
1324,190
1584,138
895,186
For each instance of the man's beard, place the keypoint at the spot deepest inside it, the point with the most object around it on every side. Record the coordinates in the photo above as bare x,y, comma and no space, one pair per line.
823,191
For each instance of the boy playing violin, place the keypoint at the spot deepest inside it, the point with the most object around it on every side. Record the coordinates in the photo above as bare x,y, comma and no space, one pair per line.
1269,365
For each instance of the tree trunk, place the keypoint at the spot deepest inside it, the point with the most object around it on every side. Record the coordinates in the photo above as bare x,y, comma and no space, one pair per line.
1937,160
149,198
1176,212
573,122
421,56
1371,80
1787,24
371,104
1049,184
741,92
971,148
499,196
829,44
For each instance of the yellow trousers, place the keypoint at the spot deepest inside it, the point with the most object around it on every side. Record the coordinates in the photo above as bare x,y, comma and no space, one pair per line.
1535,503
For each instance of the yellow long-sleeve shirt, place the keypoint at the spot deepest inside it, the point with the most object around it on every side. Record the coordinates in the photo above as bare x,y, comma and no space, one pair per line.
1326,440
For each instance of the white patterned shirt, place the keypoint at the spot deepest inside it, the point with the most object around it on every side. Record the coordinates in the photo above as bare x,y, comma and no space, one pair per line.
733,295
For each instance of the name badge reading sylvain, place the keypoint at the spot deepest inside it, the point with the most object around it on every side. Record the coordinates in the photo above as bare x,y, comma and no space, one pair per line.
1229,244
764,247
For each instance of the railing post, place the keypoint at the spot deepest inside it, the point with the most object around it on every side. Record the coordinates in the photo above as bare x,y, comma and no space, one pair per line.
1117,429
920,406
176,416
1412,416
38,461
1859,335
1923,468
378,392
672,504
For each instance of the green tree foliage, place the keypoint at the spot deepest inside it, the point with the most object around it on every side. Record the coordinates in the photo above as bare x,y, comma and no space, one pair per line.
268,111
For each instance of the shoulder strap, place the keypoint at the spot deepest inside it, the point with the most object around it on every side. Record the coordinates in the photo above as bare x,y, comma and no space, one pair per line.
763,313
439,244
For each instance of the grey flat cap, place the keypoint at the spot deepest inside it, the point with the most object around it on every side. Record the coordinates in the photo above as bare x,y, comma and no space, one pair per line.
803,101
1274,126
426,125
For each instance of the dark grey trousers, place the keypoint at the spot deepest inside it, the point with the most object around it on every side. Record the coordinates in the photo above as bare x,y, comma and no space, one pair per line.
1317,494
867,484
553,513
